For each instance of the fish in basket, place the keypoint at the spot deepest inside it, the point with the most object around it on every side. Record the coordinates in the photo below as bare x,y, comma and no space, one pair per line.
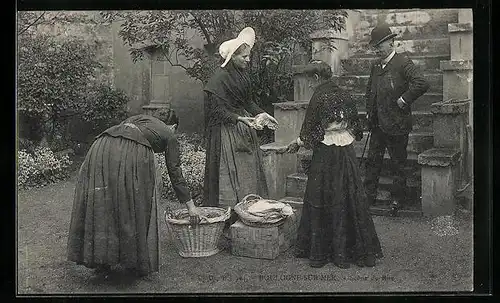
197,239
255,211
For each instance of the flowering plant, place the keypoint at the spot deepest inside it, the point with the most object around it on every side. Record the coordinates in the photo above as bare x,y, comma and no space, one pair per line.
41,167
192,165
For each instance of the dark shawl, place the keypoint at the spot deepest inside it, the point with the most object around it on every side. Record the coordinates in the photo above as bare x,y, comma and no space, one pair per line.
329,103
232,87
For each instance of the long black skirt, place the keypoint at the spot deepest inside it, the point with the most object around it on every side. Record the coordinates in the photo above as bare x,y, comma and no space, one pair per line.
114,217
335,221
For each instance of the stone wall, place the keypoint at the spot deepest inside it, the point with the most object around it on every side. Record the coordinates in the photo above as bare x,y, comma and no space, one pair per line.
174,85
85,25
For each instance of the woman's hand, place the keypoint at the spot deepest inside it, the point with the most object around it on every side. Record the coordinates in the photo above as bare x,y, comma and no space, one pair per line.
266,119
195,215
293,147
249,121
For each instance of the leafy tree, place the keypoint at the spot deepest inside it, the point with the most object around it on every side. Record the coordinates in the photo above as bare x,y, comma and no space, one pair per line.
279,33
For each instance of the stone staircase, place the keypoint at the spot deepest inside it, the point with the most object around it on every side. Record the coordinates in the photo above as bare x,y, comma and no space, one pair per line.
423,35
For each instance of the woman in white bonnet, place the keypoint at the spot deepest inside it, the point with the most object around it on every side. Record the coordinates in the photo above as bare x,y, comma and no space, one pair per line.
233,161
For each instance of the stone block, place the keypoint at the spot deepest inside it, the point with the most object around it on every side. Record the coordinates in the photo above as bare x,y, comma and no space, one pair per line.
330,50
263,242
429,17
450,121
277,165
160,87
461,41
296,185
290,116
457,79
302,90
158,67
465,15
439,180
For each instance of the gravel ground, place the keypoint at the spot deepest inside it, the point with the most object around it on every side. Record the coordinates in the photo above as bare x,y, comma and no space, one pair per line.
420,255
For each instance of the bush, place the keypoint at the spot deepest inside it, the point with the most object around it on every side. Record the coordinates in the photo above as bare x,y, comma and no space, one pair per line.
41,167
105,106
58,81
192,164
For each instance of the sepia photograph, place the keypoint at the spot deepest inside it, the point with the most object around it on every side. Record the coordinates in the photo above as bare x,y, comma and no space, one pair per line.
244,151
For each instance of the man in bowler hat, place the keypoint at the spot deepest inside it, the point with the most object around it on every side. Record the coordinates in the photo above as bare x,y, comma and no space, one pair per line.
394,84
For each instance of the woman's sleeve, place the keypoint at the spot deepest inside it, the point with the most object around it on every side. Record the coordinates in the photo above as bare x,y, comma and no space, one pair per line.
215,110
312,132
173,162
253,108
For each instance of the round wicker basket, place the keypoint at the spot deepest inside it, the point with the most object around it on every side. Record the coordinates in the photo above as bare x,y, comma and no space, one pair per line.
255,221
197,240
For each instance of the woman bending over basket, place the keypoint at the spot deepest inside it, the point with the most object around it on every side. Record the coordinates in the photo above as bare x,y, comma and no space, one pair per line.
114,217
335,223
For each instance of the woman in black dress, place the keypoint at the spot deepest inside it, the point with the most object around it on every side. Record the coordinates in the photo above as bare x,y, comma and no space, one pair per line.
335,224
114,217
233,166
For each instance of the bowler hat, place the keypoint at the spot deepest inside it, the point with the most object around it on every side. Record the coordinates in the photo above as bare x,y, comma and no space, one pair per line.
380,34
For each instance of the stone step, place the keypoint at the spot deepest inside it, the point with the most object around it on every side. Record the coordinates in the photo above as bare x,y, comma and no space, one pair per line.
417,142
381,207
296,185
412,167
421,104
429,17
415,47
358,83
299,180
405,32
422,120
361,65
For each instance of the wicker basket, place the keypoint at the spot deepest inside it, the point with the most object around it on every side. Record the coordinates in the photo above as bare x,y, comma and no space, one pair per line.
197,240
255,221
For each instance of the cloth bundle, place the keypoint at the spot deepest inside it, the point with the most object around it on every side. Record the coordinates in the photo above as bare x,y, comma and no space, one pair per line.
262,120
270,209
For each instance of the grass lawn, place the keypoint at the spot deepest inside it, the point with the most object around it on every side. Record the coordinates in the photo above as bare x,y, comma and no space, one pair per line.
417,258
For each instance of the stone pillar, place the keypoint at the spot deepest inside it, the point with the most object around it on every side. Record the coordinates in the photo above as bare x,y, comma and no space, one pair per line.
159,85
352,22
290,116
443,166
439,181
457,80
302,90
458,77
158,93
331,47
450,119
277,166
447,168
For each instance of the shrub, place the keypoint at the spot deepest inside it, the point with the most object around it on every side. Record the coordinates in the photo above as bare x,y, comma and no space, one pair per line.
58,81
41,167
105,106
192,164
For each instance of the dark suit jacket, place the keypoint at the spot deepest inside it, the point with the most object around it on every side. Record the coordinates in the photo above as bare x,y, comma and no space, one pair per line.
399,78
